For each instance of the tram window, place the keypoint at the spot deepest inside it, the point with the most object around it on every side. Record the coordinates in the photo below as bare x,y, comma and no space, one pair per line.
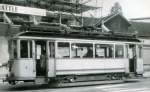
31,54
104,51
25,49
63,50
119,51
80,50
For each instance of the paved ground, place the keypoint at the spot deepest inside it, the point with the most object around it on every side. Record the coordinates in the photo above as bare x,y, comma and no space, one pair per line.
142,85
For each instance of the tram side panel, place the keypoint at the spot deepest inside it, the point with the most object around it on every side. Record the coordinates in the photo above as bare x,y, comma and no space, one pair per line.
139,61
23,70
51,67
140,67
90,66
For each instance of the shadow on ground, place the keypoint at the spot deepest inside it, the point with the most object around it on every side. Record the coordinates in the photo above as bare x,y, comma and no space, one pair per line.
26,87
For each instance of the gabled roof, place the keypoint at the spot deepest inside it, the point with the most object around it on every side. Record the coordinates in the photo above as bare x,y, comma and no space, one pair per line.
97,21
111,16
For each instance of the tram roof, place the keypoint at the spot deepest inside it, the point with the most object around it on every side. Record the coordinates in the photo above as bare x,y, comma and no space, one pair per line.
81,35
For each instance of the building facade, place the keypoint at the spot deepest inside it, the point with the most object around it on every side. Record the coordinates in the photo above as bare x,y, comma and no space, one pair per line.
142,28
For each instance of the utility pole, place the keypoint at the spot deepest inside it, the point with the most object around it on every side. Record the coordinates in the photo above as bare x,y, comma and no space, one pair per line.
81,14
60,18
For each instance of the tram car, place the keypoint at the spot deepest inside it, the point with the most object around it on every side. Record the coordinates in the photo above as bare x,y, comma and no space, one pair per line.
43,57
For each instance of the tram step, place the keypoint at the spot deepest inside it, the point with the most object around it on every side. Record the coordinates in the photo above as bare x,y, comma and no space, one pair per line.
40,80
132,75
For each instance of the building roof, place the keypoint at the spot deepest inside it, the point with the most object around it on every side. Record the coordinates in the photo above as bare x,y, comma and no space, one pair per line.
145,18
111,16
97,21
141,28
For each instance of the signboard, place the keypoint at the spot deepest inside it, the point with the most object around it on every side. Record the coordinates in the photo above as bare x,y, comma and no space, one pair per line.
22,10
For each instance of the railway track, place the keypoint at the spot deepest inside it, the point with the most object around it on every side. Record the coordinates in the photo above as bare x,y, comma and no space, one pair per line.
83,83
89,83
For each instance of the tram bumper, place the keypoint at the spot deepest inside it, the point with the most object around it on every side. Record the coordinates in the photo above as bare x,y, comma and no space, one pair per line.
21,70
11,77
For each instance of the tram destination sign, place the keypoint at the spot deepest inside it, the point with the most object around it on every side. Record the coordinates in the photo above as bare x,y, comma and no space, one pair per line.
22,10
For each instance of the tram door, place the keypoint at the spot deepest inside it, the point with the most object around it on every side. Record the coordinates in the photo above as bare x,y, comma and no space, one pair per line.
51,65
132,58
40,47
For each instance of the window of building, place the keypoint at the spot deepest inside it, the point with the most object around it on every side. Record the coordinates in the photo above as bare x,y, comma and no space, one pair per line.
119,51
63,50
104,51
25,49
80,50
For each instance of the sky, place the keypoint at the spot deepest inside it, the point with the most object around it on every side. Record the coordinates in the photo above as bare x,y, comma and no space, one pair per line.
130,8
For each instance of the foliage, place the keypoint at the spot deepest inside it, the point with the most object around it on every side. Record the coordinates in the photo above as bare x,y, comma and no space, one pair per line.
116,9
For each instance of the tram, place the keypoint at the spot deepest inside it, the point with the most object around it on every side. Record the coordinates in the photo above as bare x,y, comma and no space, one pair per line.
43,57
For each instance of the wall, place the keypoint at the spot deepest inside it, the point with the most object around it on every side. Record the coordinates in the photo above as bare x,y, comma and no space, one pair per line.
4,56
146,57
117,24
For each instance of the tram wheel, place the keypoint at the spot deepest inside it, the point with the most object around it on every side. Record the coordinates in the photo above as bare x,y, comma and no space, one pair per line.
12,82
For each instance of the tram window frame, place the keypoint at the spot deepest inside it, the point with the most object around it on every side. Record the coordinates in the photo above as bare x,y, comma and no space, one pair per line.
126,51
140,55
66,53
108,51
78,50
119,49
51,49
14,49
27,51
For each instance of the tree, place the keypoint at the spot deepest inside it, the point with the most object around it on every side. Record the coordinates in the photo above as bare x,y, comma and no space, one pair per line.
116,9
